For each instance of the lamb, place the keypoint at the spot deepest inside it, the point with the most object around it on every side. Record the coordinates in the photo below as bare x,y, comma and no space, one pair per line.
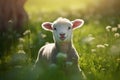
62,29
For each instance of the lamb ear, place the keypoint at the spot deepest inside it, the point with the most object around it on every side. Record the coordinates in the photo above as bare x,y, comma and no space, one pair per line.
77,23
47,26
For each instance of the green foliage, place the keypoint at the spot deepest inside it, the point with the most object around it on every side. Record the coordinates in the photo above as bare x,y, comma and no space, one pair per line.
97,43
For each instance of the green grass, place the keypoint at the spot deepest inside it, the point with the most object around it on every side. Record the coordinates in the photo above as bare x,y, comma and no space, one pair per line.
98,48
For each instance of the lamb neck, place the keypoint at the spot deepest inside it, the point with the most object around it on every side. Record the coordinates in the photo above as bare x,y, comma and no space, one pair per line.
63,47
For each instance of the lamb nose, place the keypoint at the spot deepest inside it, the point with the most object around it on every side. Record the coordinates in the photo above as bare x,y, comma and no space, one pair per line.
63,34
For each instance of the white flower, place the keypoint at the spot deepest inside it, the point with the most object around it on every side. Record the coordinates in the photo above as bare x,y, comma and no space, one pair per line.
21,40
100,46
10,21
108,28
106,45
88,39
116,35
93,50
26,32
114,29
21,52
119,26
43,35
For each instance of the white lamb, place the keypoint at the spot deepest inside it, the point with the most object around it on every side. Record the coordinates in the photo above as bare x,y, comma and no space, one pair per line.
62,30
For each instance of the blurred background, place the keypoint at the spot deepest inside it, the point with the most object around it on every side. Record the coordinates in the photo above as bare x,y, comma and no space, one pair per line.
97,42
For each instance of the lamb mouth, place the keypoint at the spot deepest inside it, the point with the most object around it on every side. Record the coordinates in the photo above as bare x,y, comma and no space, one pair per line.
62,38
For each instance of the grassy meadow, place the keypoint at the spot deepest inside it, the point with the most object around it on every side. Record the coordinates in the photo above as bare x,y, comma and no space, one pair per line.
97,42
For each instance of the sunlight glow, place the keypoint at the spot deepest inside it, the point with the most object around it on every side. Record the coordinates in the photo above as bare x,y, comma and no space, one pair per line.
52,5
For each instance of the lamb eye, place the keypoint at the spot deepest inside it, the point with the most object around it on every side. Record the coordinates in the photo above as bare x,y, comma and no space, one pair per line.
55,29
69,28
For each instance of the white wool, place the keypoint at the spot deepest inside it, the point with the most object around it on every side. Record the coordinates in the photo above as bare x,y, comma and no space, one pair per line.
62,20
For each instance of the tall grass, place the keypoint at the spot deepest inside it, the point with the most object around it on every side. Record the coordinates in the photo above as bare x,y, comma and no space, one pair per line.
97,43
